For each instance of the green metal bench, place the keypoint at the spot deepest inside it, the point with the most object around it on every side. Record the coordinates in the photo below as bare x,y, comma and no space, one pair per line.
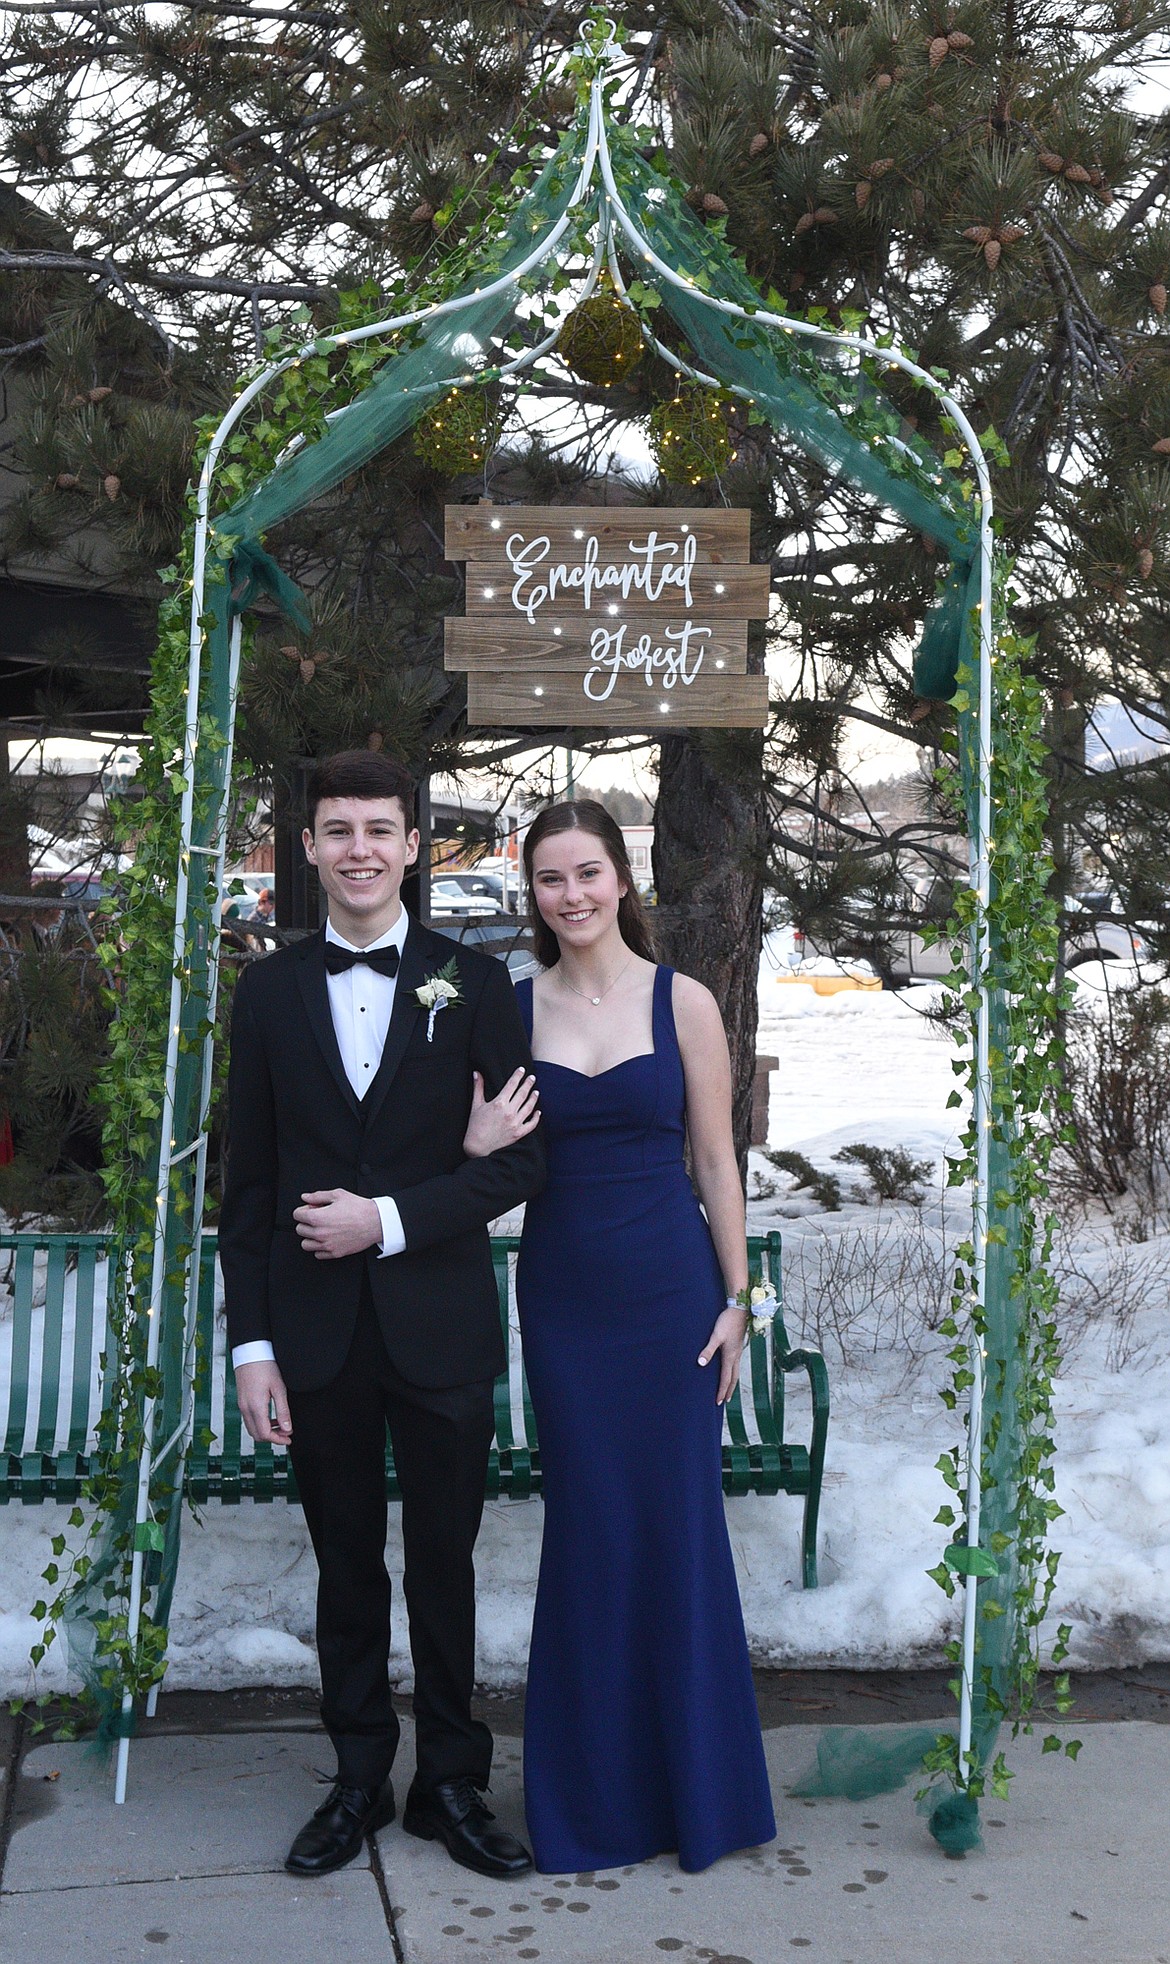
53,1333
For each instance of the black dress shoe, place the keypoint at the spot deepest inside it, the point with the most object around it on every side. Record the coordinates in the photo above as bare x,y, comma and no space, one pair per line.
454,1813
336,1832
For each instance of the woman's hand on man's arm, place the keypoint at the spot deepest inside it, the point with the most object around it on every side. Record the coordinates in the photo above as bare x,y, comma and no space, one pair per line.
500,1121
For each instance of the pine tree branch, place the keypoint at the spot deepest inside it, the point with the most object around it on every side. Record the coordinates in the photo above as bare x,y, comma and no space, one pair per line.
70,262
105,9
1145,201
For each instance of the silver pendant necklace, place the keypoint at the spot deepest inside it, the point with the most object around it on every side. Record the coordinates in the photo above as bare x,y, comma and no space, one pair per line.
609,985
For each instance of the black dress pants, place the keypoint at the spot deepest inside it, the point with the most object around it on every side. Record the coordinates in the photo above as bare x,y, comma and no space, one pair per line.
441,1442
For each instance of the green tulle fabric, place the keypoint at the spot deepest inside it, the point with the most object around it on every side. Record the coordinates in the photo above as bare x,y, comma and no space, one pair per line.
855,1765
836,414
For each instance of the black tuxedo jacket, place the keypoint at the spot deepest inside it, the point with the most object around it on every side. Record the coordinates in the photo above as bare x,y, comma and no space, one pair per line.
296,1126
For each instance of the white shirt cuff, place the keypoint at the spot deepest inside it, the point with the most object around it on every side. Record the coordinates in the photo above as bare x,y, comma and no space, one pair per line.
393,1238
253,1353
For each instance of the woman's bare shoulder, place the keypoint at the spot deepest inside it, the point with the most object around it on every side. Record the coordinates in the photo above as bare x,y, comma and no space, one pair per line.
695,1008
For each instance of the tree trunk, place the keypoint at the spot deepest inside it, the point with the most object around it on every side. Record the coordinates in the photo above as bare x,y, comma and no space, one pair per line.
15,812
709,854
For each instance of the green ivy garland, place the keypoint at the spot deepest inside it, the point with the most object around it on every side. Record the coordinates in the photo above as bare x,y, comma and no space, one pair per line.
1026,1088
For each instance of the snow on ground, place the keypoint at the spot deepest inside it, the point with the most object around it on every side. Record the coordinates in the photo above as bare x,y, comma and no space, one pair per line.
868,1283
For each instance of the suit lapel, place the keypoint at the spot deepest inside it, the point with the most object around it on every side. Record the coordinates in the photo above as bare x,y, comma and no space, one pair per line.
412,972
315,992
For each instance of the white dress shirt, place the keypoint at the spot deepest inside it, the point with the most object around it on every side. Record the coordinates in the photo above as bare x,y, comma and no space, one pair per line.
361,1002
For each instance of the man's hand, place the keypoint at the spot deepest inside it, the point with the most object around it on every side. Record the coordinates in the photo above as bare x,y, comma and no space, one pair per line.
336,1223
263,1403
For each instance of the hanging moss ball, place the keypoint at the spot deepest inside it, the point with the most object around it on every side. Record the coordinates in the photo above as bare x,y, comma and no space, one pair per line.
455,435
689,436
602,340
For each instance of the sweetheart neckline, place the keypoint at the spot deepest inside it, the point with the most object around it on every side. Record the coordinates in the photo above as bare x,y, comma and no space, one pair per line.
591,1077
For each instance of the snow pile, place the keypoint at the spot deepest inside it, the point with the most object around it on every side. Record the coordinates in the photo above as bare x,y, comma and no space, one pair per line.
868,1283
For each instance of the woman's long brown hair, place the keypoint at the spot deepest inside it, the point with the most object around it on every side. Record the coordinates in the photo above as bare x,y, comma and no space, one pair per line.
586,815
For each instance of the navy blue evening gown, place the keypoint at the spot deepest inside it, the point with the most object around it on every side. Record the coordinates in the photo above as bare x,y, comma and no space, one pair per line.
641,1730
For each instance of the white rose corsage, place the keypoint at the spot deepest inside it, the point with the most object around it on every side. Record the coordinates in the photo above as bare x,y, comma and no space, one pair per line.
761,1305
438,992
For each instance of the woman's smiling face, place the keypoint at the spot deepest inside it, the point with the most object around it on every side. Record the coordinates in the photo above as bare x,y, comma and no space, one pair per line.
576,887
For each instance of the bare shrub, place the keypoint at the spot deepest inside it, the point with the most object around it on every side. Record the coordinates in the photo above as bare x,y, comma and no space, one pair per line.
1116,1144
882,1285
1106,1289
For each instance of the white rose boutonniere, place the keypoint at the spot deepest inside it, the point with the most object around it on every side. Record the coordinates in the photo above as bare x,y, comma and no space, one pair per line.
438,992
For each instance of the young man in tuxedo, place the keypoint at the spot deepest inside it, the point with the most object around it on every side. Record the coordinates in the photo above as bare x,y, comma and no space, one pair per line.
360,1293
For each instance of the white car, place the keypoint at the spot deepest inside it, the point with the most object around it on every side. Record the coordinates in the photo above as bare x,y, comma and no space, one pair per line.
448,897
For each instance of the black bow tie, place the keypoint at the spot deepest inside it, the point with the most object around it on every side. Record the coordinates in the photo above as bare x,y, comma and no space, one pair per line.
383,960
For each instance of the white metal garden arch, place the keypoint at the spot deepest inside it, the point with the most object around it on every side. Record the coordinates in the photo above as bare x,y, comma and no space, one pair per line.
596,172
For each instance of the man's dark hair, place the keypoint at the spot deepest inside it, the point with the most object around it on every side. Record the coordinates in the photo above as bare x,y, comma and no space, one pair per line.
358,774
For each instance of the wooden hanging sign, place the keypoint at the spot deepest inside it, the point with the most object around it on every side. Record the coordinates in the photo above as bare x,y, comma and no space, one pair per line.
616,617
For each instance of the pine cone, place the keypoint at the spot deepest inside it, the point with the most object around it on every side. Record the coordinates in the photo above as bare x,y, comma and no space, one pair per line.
880,166
291,654
862,192
1162,447
939,49
422,214
1158,297
1077,174
978,234
957,39
308,669
112,486
98,395
714,205
918,201
1053,161
1010,233
991,252
1145,562
1105,195
883,81
66,481
823,215
758,144
375,740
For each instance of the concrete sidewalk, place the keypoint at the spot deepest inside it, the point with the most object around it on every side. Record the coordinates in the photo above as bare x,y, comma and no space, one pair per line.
1074,1870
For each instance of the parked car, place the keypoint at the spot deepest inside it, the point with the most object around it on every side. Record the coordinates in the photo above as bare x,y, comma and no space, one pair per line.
505,937
449,898
478,886
1096,932
904,956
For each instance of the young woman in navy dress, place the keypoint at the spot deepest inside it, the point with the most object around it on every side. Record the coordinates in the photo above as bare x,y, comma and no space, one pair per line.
641,1729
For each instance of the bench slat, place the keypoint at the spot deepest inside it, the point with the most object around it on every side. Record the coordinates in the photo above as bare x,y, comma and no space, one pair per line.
85,1287
22,1298
54,1315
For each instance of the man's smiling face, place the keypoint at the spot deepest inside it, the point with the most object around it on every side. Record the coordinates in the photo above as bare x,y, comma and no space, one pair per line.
361,848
